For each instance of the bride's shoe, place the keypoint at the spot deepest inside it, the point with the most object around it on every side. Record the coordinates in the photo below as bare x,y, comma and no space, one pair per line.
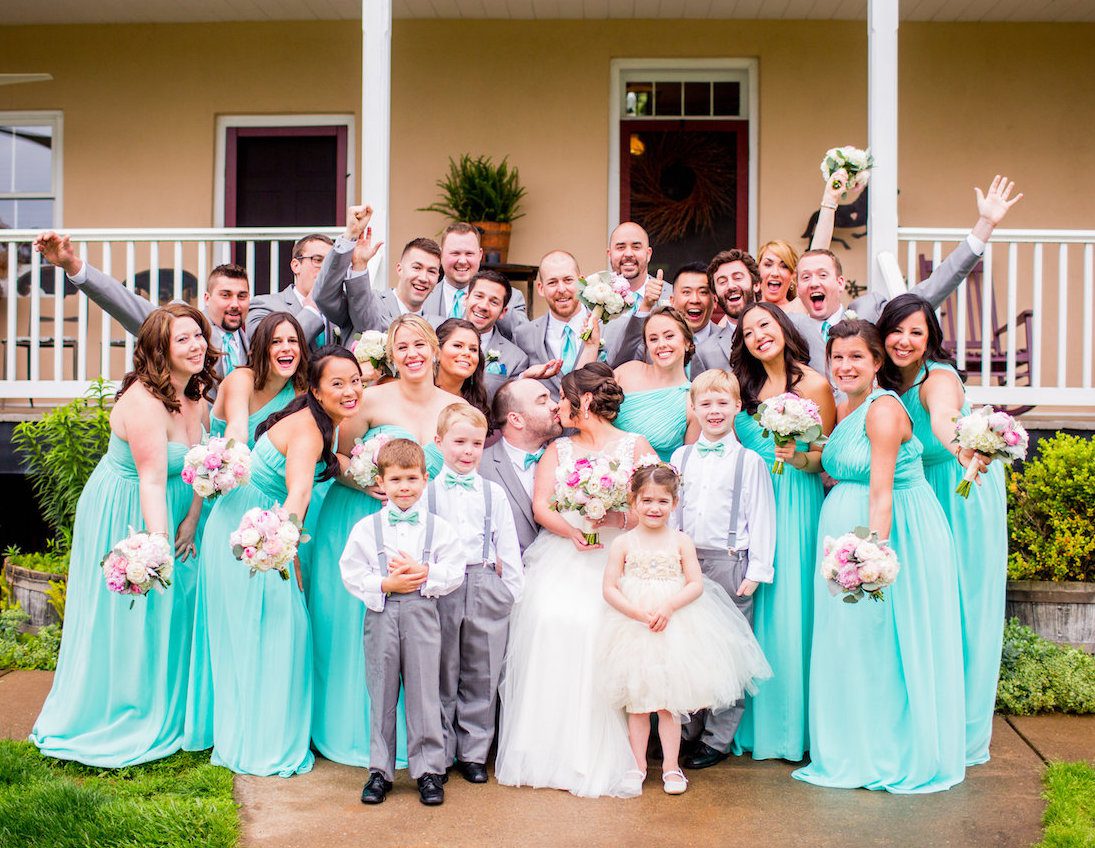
632,782
674,782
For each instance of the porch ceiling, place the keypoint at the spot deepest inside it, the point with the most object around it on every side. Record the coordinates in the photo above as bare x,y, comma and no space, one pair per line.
172,11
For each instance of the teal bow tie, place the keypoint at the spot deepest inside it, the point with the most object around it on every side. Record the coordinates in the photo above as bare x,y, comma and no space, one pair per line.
395,518
464,480
533,458
706,447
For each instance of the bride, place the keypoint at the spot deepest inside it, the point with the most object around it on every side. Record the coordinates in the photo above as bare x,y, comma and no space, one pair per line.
557,730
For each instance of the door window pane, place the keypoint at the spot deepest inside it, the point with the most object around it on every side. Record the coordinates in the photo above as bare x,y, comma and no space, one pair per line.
726,98
697,98
667,98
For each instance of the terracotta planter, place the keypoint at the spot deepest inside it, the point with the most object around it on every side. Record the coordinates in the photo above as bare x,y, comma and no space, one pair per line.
495,239
1062,612
29,588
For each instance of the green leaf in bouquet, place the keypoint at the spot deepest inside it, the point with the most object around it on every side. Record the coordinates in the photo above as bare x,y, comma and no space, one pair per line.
284,573
304,537
812,434
237,551
862,532
851,598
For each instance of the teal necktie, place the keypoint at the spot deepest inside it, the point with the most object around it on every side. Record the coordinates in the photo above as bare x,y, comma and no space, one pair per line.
533,458
465,481
395,518
458,303
707,447
570,349
825,327
229,354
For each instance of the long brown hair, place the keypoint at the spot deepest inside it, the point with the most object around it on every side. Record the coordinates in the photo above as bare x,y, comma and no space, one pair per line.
750,371
152,357
258,357
472,389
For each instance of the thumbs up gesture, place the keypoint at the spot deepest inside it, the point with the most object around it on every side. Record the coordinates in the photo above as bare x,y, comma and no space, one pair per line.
652,292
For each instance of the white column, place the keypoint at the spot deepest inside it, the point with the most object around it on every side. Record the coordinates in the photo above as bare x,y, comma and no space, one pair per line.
882,22
376,122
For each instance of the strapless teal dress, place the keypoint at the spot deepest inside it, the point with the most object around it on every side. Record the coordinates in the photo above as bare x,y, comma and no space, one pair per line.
340,707
979,524
260,647
659,414
886,694
774,723
120,687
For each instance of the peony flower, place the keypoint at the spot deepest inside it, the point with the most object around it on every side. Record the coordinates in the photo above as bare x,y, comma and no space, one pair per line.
188,474
204,487
136,571
573,479
595,509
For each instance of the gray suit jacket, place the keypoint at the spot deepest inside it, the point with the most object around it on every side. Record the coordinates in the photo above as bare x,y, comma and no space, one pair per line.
516,311
286,301
714,351
512,361
496,466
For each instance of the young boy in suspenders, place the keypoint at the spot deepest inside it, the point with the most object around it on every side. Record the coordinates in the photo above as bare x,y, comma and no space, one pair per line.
475,617
727,506
400,561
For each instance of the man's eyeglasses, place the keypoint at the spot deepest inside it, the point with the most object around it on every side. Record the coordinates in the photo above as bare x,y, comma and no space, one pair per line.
316,259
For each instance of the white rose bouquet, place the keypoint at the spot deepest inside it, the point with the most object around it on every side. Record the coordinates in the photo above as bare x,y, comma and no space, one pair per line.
789,418
856,164
216,466
995,434
362,467
267,540
369,348
590,487
858,564
140,562
606,296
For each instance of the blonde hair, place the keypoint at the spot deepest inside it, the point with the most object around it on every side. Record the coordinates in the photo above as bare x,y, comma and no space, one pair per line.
420,326
715,380
786,254
456,412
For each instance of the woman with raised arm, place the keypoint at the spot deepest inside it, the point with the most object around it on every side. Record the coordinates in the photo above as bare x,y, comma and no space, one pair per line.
886,696
923,373
119,693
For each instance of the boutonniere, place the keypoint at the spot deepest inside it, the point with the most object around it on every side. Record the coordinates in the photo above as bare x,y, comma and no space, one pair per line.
495,365
493,355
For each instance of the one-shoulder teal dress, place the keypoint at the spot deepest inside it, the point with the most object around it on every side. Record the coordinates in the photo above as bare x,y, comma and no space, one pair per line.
886,693
277,403
340,707
260,647
120,687
659,414
774,724
979,524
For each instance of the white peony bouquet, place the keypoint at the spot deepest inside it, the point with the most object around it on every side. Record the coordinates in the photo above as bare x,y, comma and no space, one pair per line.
216,466
856,164
789,418
370,348
606,296
140,562
590,487
362,467
995,434
858,564
267,540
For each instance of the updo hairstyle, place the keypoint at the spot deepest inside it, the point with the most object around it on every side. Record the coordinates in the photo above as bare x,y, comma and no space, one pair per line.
594,379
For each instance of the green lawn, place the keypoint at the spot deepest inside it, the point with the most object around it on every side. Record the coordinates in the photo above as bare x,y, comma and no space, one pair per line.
1070,813
180,801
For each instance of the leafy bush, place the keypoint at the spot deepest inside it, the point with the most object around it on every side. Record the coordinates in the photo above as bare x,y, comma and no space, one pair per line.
53,561
1051,512
1038,676
478,190
27,650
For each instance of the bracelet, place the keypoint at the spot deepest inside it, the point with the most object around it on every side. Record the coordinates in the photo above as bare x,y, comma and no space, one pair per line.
625,521
829,205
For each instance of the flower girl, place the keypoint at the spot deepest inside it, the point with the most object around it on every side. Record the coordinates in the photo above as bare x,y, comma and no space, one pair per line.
673,643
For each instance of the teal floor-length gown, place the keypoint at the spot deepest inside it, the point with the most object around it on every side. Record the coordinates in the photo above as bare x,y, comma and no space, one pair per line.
119,692
774,724
979,525
260,647
340,710
886,696
659,414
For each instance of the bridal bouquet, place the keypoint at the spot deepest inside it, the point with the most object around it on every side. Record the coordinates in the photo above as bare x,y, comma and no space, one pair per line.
995,434
370,348
267,540
606,296
789,418
591,487
362,466
216,466
856,163
858,564
140,562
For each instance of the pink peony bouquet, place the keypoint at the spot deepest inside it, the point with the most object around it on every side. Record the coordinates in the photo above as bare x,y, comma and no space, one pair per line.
858,564
267,540
216,466
590,487
789,418
140,562
606,296
362,467
997,435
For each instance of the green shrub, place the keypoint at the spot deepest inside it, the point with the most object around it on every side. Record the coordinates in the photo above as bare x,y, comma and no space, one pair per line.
1051,512
1038,676
478,190
27,650
53,561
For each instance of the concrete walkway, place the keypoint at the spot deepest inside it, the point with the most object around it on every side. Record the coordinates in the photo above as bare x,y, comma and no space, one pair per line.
739,802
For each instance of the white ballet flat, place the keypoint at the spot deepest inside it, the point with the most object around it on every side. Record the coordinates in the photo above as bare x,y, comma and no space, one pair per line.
632,782
674,782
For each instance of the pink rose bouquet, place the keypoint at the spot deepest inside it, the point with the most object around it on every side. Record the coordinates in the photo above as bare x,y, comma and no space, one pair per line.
590,487
362,467
858,564
267,540
789,418
140,562
995,434
216,466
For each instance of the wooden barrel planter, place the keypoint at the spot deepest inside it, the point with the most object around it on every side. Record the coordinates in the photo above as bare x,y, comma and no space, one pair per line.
29,588
494,239
1061,612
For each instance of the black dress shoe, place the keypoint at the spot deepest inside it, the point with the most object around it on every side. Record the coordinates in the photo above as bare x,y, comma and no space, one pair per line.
376,790
472,772
430,791
702,757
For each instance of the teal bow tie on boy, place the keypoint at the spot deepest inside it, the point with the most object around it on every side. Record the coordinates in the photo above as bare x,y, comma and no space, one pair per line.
465,481
395,518
706,447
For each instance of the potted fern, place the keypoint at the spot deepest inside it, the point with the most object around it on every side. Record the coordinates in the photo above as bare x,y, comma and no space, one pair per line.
483,194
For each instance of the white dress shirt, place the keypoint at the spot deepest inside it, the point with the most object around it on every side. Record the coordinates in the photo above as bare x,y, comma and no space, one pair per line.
706,491
360,567
555,332
464,511
517,457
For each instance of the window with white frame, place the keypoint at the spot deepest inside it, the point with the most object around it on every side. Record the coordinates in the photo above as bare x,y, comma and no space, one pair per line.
30,170
710,93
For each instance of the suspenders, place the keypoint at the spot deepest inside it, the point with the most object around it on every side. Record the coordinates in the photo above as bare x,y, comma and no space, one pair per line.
488,531
735,498
382,554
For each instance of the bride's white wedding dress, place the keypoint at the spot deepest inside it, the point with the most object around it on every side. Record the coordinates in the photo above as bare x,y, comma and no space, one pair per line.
558,729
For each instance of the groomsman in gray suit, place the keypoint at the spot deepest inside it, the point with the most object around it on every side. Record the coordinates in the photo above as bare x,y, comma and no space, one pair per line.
488,297
733,275
226,300
528,419
461,256
308,255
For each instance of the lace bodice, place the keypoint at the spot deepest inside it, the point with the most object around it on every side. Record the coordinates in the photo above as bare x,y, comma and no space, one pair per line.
622,449
653,565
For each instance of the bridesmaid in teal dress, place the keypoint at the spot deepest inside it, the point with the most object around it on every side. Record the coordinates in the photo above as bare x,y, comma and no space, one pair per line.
404,408
119,692
275,373
259,639
920,369
656,392
886,694
770,357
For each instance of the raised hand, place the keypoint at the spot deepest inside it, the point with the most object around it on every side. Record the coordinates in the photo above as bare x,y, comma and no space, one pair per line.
835,187
365,250
357,220
652,292
57,250
993,205
543,371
